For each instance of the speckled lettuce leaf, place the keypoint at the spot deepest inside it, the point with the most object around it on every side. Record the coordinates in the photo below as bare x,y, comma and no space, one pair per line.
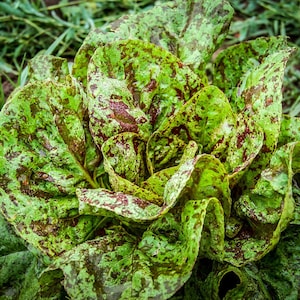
235,63
125,154
133,87
289,130
266,208
156,182
261,92
126,207
280,269
122,266
207,119
43,67
15,259
192,30
45,155
243,147
213,280
254,90
276,276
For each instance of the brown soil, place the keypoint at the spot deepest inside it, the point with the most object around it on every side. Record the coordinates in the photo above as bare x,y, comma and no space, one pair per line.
7,85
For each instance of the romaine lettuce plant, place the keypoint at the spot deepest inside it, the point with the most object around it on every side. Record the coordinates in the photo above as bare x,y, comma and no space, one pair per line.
136,176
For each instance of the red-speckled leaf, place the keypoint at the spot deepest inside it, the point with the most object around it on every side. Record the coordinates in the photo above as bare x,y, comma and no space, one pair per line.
122,266
191,30
238,61
266,209
133,87
128,208
45,155
43,67
243,147
261,91
157,182
206,119
202,177
125,154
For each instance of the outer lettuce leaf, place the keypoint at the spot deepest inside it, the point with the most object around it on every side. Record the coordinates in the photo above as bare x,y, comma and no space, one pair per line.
280,269
122,266
191,30
235,63
266,209
262,94
133,87
258,95
289,131
276,276
45,155
43,67
16,264
244,147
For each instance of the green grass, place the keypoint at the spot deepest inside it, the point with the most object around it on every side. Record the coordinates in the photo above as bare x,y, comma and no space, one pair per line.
29,27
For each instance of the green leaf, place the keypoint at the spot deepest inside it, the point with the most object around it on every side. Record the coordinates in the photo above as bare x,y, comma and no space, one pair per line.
244,147
43,67
125,154
280,269
124,163
262,94
133,87
16,262
289,130
203,177
45,156
251,75
235,63
122,266
206,119
128,208
266,208
191,30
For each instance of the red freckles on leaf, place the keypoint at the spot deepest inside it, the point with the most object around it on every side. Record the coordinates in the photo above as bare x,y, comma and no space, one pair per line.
151,86
121,115
269,101
180,64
